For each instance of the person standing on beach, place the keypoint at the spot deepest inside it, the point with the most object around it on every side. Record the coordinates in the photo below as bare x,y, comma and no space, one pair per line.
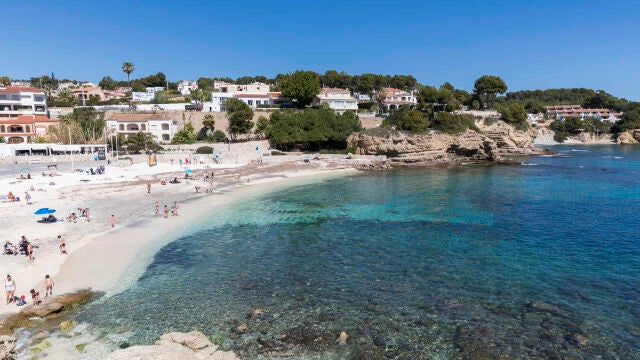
48,285
27,197
63,245
166,211
10,287
113,220
30,251
148,187
87,215
175,208
157,209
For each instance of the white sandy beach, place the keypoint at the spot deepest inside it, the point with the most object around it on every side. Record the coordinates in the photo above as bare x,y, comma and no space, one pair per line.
110,259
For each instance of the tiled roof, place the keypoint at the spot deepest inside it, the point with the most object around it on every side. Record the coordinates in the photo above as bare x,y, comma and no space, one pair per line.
336,90
26,119
20,89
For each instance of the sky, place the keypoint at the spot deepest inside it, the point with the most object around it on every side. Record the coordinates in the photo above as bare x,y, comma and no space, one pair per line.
530,44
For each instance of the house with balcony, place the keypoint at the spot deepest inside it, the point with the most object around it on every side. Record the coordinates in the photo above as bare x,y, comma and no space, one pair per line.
395,98
158,125
251,94
20,100
561,112
338,99
86,92
186,86
25,128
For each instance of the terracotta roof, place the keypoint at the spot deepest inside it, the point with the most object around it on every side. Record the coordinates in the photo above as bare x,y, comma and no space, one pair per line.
251,95
135,117
20,89
26,119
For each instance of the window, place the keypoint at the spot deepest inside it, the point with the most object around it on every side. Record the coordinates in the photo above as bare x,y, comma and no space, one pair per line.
143,127
121,126
165,137
3,97
165,126
250,102
15,97
28,128
25,96
38,98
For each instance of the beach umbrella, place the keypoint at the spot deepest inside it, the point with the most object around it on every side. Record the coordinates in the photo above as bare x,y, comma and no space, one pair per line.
44,211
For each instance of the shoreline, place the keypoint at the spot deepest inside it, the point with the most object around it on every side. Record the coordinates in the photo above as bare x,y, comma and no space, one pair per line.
106,259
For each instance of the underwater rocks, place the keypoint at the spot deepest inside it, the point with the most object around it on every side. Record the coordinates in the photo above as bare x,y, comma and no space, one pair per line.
175,345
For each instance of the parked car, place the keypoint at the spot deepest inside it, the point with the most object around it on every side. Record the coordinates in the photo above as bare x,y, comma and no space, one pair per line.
193,107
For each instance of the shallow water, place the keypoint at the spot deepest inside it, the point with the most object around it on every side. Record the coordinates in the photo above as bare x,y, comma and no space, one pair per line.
535,261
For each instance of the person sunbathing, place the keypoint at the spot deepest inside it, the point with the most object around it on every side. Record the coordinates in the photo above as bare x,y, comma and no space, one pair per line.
35,296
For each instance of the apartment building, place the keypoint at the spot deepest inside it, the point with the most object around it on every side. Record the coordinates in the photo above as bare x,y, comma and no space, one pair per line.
338,99
21,100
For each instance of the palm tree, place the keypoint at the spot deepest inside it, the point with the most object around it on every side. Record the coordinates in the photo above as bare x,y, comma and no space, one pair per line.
128,68
381,96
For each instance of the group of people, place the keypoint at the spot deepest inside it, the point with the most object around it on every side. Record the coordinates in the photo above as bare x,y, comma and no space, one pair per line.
166,210
10,288
24,247
83,212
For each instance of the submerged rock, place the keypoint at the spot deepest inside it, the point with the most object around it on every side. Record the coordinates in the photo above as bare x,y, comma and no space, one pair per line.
175,345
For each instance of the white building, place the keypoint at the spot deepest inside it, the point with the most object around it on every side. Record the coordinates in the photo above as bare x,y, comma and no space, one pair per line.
339,100
186,86
396,98
252,94
15,101
158,125
146,96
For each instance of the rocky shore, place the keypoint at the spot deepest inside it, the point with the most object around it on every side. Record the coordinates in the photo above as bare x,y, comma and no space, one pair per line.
499,142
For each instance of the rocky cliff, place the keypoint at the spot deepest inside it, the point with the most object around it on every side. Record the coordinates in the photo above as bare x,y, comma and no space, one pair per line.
629,137
497,142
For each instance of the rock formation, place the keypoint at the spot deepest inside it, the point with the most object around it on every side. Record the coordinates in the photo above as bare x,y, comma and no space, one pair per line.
629,137
497,142
175,345
7,347
50,307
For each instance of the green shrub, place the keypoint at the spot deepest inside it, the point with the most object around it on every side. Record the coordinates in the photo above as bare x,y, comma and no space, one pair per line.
204,150
488,121
276,152
217,136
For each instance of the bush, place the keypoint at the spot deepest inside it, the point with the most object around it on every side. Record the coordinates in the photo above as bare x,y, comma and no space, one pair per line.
488,121
276,152
204,150
217,136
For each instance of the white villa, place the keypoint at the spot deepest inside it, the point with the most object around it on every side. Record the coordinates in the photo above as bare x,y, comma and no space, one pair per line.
339,100
186,86
252,94
158,125
396,98
15,101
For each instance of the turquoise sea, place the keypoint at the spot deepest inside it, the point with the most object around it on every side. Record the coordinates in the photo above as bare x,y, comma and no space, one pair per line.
474,262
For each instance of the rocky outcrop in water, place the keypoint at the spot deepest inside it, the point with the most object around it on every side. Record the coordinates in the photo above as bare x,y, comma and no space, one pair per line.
629,137
50,307
175,345
497,142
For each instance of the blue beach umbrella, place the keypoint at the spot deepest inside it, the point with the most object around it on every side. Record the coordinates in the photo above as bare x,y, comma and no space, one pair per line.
44,211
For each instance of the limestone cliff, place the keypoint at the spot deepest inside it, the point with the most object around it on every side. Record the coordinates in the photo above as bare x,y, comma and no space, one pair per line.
629,137
497,142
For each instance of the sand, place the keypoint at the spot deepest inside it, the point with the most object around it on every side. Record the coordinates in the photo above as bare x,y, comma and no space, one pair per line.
110,259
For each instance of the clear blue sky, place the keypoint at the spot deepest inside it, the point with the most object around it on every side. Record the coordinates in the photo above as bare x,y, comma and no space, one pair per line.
530,44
